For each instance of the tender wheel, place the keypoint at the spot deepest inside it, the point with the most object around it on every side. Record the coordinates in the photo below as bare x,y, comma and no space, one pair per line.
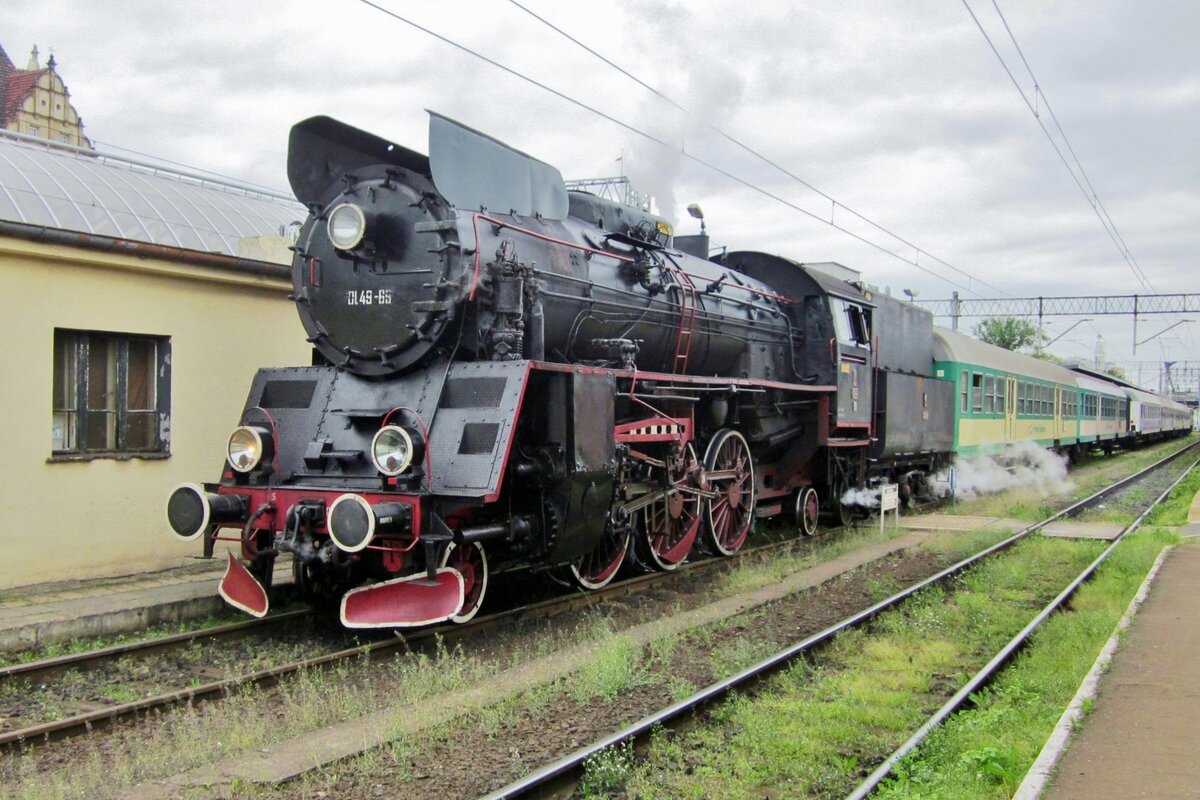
597,569
808,509
728,471
666,529
471,562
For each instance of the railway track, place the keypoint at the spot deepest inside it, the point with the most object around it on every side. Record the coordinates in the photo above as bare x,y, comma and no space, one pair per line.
94,715
44,672
561,777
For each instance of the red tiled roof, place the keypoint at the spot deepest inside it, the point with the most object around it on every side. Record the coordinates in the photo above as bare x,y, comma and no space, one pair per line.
20,85
6,65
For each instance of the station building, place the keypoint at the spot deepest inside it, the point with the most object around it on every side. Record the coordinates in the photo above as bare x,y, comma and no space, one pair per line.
137,305
35,101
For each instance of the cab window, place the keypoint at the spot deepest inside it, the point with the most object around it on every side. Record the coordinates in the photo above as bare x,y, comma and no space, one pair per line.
851,322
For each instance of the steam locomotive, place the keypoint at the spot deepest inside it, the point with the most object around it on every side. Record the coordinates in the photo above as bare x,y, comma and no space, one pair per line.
510,375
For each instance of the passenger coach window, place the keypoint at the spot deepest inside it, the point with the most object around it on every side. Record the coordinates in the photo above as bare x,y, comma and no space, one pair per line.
989,394
976,392
964,391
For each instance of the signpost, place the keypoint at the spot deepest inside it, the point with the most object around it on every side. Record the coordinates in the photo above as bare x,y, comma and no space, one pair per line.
889,500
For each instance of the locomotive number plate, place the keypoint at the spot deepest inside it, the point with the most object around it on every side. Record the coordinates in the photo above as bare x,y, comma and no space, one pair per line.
366,297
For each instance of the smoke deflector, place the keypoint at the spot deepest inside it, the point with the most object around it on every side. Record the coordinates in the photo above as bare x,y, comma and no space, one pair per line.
474,171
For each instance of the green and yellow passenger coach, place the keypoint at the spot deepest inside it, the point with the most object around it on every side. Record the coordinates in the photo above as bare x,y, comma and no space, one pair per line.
1004,398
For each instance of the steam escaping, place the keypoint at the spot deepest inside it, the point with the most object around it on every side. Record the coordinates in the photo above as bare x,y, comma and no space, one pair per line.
1023,465
865,498
710,96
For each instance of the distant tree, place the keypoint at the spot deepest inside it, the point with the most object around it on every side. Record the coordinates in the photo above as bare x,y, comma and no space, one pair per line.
1117,373
1011,333
1046,355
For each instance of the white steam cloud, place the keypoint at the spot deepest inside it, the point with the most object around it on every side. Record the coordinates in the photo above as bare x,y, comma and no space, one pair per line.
1024,465
866,498
710,96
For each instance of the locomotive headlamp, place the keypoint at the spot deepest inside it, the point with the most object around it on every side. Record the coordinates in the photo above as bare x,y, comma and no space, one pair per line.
392,450
347,226
247,447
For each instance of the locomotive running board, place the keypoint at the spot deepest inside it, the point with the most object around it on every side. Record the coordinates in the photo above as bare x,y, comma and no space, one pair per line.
405,602
242,590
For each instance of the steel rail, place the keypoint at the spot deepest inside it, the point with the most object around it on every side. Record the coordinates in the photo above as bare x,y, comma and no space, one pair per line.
989,670
49,667
542,609
573,762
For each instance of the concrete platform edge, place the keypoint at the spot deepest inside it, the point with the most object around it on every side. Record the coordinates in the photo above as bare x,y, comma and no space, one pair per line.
1042,768
33,634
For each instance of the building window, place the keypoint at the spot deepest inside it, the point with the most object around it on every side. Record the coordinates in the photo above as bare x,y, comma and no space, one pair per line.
112,394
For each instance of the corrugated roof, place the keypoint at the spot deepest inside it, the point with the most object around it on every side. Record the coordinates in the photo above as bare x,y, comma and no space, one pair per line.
1099,387
951,346
79,190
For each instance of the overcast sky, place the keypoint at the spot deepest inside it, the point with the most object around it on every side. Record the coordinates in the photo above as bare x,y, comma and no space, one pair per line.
897,110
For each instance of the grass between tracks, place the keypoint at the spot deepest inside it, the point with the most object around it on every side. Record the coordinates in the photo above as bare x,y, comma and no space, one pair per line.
985,751
819,729
1174,510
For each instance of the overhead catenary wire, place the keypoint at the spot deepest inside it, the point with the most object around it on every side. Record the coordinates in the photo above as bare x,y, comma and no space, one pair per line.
1083,173
682,151
1092,197
835,204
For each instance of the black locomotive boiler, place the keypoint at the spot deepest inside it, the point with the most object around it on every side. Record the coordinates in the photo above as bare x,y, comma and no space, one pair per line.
508,375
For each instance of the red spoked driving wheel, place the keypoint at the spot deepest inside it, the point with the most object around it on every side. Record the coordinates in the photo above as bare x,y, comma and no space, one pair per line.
666,528
597,569
729,473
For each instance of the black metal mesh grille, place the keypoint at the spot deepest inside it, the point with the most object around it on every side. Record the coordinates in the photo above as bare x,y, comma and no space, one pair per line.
287,394
478,438
473,392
